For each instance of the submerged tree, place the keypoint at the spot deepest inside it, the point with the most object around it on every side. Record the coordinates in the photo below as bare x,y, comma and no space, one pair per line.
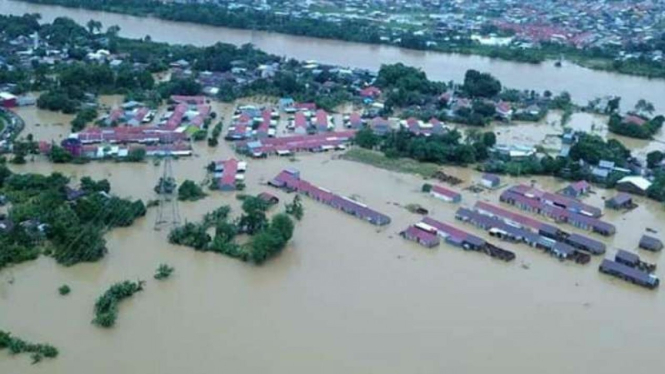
163,271
295,208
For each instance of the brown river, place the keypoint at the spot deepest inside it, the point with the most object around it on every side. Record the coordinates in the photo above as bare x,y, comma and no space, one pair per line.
345,296
582,83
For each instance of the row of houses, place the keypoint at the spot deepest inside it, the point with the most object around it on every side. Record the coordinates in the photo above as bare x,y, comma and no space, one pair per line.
173,126
429,231
541,228
250,122
121,151
557,213
289,180
228,173
501,229
286,146
557,200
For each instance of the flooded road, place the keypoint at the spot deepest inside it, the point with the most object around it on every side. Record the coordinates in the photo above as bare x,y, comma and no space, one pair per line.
345,296
583,84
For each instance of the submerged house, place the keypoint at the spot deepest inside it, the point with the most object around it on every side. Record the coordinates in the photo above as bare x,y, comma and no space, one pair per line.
633,184
650,243
576,189
422,234
445,194
227,173
289,180
621,201
490,180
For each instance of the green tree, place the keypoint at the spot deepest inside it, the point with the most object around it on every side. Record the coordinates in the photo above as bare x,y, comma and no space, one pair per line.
295,208
190,191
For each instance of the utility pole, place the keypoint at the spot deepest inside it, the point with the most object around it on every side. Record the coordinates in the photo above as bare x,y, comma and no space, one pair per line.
168,213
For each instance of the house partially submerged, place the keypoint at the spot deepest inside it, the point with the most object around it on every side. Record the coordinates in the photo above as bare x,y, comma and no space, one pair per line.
445,194
621,200
228,173
289,180
576,189
422,234
633,184
285,146
490,181
650,243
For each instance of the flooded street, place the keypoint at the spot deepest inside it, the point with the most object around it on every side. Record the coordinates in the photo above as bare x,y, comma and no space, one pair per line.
345,296
583,84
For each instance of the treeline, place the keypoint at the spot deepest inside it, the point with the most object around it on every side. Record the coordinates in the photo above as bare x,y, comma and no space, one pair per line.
646,130
448,148
17,346
48,217
588,150
106,306
268,236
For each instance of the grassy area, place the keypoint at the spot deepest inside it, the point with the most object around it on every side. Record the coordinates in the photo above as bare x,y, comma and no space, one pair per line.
402,165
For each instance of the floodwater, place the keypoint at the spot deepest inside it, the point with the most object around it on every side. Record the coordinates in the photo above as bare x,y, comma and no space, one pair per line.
345,296
583,84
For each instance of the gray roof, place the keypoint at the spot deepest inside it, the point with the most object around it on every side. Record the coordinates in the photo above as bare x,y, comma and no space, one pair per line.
601,173
606,164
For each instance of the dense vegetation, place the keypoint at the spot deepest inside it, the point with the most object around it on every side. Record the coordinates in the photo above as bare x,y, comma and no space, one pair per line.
17,346
268,236
618,125
163,271
190,191
448,148
588,150
42,220
106,306
295,208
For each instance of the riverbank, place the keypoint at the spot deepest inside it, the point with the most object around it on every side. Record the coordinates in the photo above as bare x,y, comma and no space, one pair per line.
360,32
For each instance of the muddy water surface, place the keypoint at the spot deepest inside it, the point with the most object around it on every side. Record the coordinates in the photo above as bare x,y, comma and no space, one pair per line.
583,84
345,296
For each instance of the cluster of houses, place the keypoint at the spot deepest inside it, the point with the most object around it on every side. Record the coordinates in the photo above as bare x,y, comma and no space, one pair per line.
558,207
176,126
290,181
131,113
289,145
228,174
537,233
251,122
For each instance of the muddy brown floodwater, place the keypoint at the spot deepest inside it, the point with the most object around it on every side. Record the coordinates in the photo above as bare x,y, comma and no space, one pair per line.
344,297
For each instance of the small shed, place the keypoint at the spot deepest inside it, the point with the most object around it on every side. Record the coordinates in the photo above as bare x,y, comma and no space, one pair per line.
627,258
621,201
490,180
445,194
650,243
576,189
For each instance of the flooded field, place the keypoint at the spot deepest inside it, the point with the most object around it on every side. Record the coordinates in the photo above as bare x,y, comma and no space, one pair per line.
345,296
